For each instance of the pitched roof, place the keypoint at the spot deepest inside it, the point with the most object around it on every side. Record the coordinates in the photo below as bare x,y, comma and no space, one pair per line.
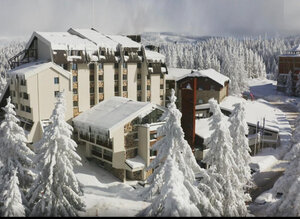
111,113
208,73
154,56
32,68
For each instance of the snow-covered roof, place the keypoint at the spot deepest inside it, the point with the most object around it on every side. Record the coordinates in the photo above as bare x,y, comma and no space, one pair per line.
96,37
295,49
136,163
208,73
255,111
154,56
175,73
126,42
32,68
65,41
110,114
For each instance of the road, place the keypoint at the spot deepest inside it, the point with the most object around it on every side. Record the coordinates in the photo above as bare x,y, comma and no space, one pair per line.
266,179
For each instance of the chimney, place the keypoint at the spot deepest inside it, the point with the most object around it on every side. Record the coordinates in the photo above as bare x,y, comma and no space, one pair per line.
188,104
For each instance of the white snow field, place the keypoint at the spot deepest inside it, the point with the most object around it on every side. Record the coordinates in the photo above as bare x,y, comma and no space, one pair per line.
104,194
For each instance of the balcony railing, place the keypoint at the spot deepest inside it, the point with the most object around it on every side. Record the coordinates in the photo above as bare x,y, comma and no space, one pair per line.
22,57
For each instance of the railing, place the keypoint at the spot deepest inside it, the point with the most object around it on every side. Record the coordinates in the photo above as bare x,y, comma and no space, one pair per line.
22,58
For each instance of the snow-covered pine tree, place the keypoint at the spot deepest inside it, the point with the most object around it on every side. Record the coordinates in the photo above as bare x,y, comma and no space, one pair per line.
297,90
238,130
12,198
289,84
221,160
173,146
15,155
56,190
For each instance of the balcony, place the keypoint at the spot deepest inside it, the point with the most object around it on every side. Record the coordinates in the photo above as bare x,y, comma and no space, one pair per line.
23,57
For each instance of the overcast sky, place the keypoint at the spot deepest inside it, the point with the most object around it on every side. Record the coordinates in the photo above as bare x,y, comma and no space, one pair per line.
197,17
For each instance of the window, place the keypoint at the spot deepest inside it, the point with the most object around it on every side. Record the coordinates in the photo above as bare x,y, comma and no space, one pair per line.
148,76
161,76
20,94
74,78
139,98
92,102
23,82
124,77
107,155
100,89
28,109
148,98
161,97
139,87
212,87
65,66
14,93
139,65
75,91
74,66
75,103
100,66
56,93
116,88
100,77
92,90
139,76
25,96
124,65
161,86
56,80
116,65
125,88
116,77
153,153
148,87
91,77
92,66
153,136
22,107
17,106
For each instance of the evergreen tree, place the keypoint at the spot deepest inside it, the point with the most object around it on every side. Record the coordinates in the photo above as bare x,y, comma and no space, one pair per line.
289,84
56,191
15,155
238,130
12,206
221,160
181,162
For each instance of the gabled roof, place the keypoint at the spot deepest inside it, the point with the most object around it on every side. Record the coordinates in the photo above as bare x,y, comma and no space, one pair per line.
126,42
208,73
63,41
176,73
98,38
32,68
112,113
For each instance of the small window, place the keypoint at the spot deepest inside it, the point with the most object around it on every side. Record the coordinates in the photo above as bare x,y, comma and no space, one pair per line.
20,94
139,98
124,77
116,77
74,66
75,91
91,77
28,109
212,87
16,106
100,77
92,102
139,87
22,107
148,98
74,78
56,80
92,66
92,90
100,66
100,89
124,64
161,86
75,103
116,65
125,88
25,96
139,65
148,76
161,76
116,88
56,93
148,87
161,97
139,76
65,66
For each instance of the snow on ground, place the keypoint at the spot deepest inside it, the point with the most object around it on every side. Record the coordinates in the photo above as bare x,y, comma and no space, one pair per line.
104,194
